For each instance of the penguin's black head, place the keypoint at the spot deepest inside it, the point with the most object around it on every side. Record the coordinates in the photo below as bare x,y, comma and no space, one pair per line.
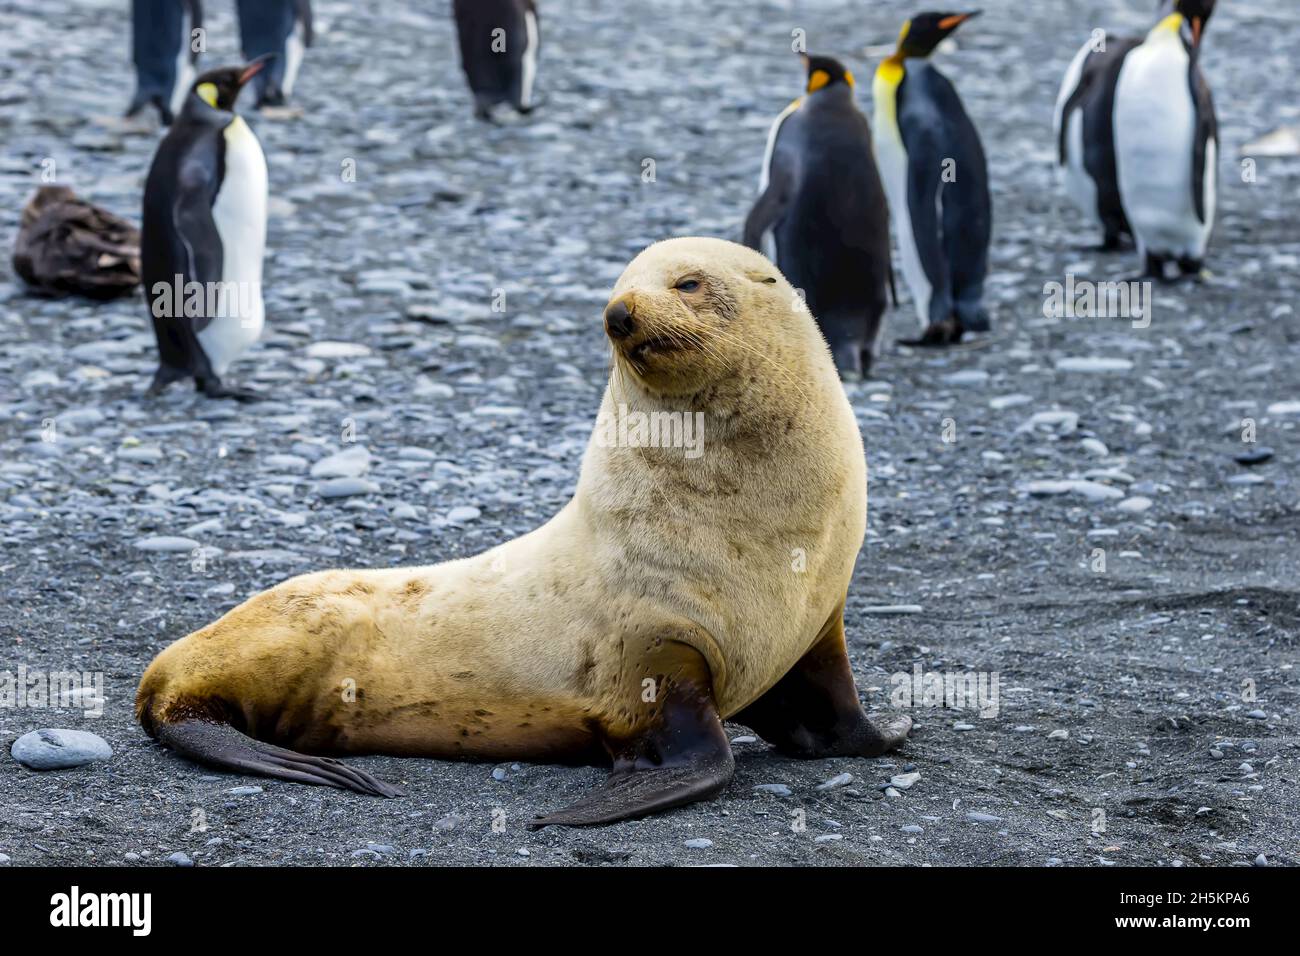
925,31
824,71
220,88
1197,13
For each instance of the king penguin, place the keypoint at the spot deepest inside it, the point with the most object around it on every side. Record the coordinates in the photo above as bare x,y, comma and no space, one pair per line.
279,28
1084,132
1167,143
164,53
937,182
499,41
823,207
203,234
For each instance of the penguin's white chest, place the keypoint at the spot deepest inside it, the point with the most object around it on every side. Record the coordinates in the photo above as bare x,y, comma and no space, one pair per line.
892,161
240,217
1155,130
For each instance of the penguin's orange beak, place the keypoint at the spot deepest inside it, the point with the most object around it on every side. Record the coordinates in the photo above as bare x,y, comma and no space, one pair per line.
255,67
957,19
1198,24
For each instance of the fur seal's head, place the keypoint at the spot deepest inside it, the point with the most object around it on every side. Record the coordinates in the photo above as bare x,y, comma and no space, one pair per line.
691,314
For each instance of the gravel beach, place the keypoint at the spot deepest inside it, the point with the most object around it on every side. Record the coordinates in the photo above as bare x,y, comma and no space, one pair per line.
1066,507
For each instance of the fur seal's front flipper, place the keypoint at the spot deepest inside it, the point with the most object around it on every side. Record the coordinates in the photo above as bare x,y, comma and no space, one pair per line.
813,711
221,745
682,756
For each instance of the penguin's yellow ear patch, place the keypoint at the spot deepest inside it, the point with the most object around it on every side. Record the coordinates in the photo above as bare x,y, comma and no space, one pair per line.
818,79
1173,23
848,78
208,93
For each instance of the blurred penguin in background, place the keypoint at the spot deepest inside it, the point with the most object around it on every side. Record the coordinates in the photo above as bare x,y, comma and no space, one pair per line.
281,29
165,53
936,177
821,214
499,41
1084,132
1167,143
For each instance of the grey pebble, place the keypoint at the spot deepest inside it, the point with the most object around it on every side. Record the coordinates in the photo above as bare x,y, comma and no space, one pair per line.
839,780
352,462
1255,456
166,543
56,749
346,487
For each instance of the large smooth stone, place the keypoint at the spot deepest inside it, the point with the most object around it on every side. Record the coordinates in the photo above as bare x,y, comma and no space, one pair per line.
59,749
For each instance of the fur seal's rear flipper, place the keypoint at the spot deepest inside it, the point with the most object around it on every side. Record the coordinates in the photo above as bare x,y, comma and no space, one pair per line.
220,745
813,711
681,756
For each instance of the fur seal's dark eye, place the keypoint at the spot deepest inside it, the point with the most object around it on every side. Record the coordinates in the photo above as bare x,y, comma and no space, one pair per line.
688,285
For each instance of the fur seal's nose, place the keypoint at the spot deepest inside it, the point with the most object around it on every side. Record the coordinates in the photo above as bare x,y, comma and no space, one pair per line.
618,320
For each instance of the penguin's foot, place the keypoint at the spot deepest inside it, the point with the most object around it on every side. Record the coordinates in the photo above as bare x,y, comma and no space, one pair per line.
143,100
1153,267
137,105
162,378
937,335
215,388
848,361
977,321
868,359
1193,269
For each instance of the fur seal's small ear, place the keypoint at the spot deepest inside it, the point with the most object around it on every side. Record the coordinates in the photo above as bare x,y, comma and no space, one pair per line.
761,277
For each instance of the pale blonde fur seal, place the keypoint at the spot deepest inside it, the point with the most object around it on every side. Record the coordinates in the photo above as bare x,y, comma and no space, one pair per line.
674,590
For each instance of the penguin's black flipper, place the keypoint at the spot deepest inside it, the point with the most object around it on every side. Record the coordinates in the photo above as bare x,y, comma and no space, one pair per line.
1207,130
181,245
302,11
925,156
769,208
192,213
